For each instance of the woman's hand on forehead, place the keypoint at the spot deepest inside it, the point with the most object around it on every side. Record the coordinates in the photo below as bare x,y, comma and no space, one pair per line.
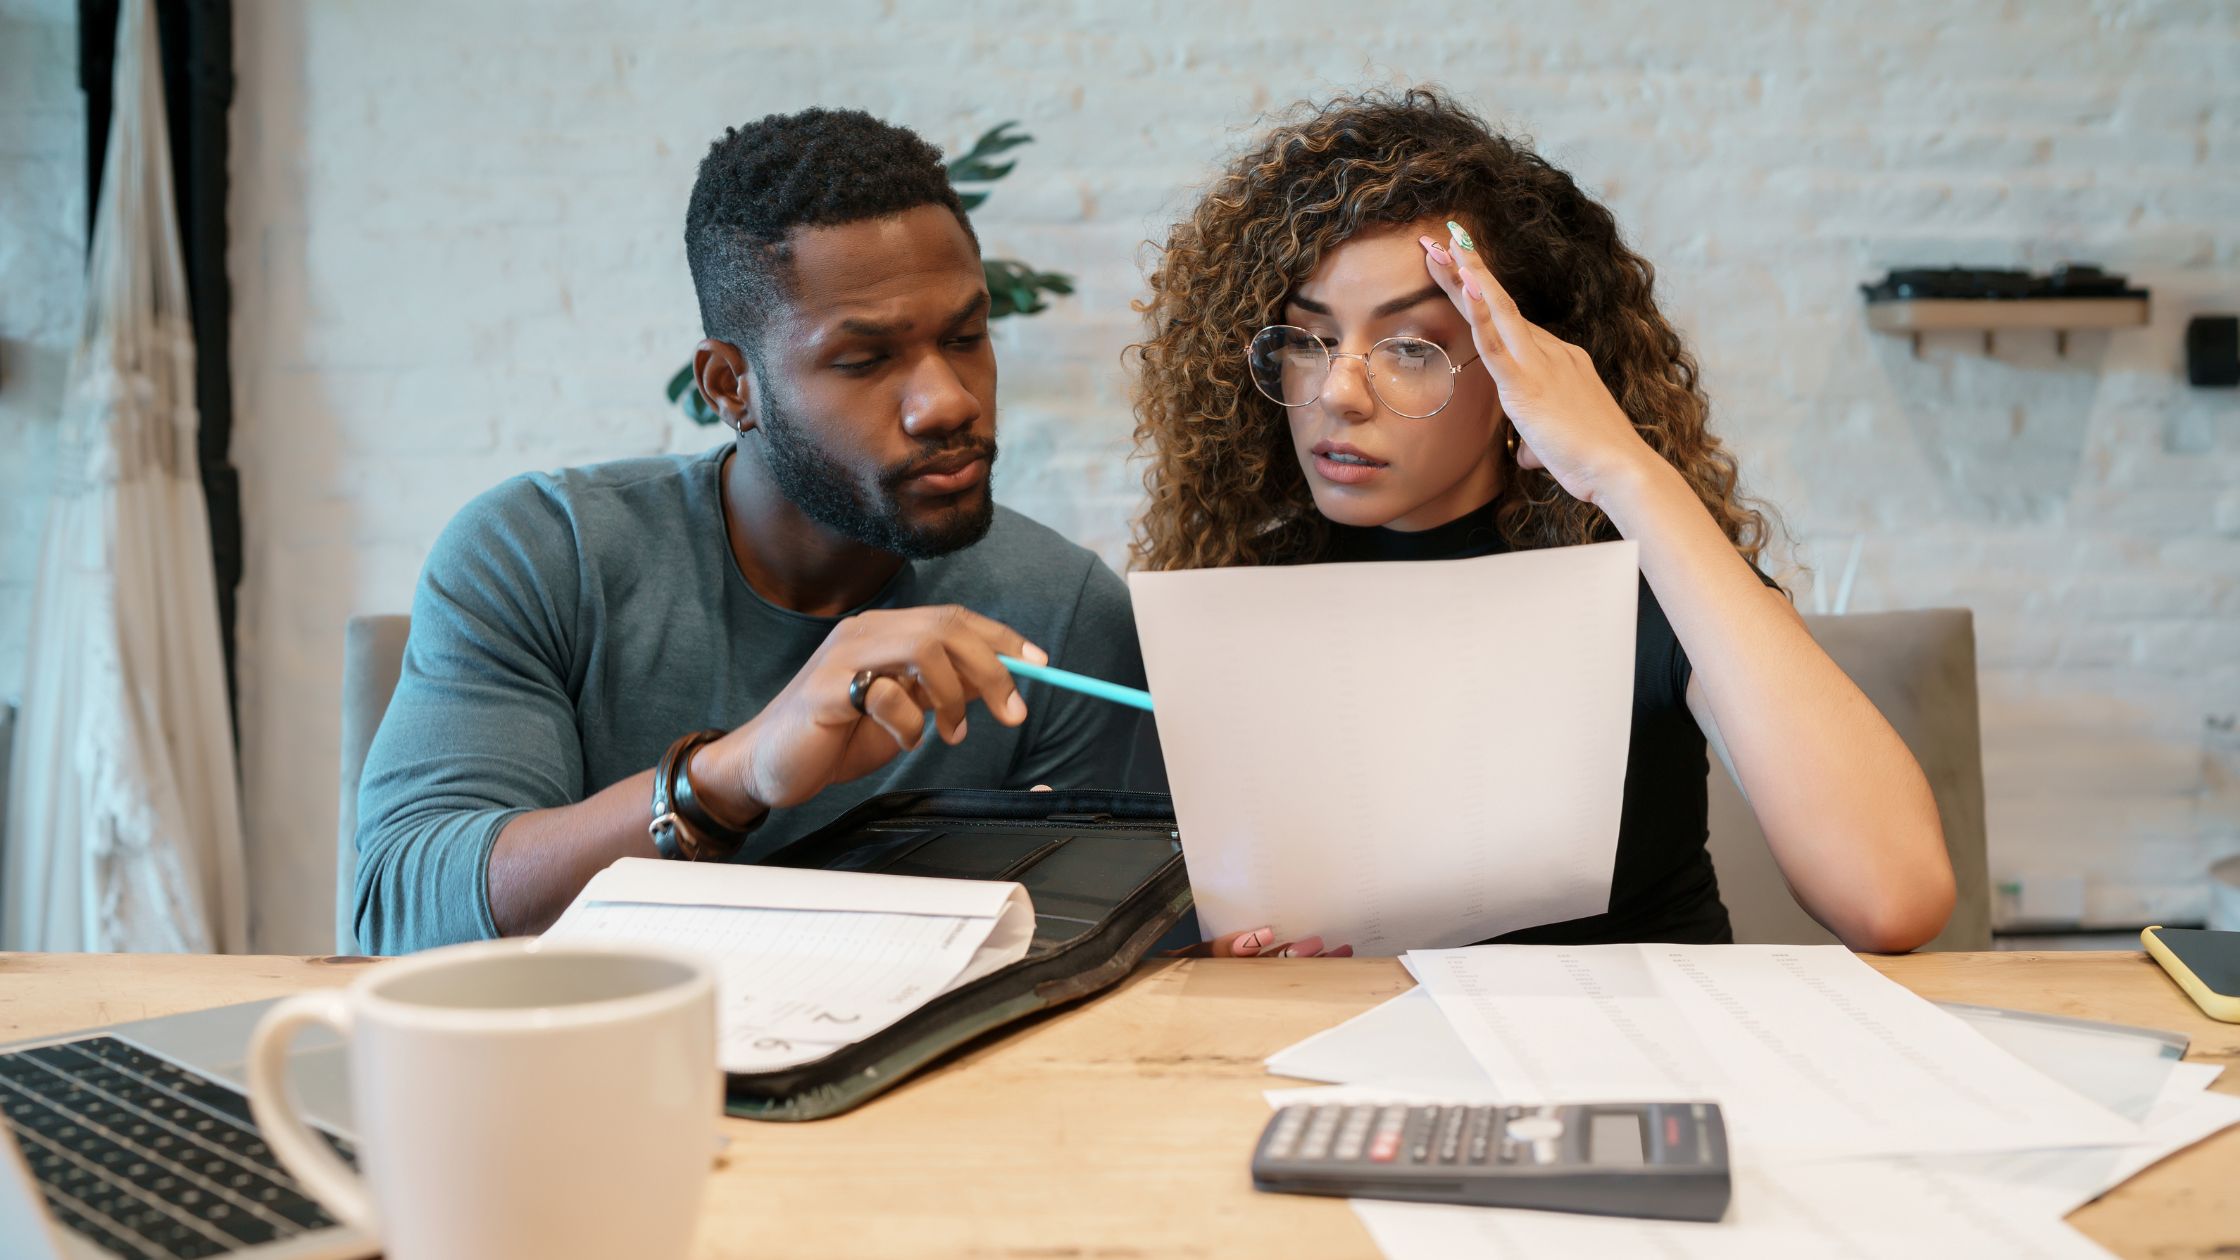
1565,417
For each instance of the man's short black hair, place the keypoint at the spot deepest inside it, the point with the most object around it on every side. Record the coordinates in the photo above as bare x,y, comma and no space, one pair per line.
817,168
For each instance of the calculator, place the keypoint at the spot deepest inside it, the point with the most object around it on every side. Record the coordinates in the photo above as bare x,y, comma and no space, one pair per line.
1661,1160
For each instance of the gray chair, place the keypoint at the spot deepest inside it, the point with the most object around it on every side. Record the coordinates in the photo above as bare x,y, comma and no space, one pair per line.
1919,668
372,658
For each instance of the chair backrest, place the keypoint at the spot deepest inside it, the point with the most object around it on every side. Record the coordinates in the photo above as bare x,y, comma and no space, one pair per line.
1919,668
372,658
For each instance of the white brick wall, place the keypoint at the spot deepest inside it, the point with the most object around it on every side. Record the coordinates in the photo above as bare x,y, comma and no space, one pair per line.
457,257
42,248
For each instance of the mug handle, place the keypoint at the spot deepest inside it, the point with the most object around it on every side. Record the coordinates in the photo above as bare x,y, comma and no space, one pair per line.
301,1151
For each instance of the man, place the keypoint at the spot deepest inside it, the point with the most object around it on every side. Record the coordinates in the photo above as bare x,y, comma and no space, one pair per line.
826,595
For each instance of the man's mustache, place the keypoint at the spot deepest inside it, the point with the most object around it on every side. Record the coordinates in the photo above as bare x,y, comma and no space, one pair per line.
946,457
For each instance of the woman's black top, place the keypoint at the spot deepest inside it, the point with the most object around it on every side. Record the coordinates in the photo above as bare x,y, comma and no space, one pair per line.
1663,888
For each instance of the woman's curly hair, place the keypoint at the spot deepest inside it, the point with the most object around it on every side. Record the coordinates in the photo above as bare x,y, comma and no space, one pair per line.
1225,487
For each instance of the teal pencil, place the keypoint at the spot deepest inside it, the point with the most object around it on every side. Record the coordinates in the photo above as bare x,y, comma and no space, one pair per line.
1082,683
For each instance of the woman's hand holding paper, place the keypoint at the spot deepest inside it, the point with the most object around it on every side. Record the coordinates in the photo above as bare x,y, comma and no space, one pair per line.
1260,942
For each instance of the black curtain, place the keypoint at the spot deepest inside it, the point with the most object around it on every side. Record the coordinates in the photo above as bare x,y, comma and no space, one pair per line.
197,39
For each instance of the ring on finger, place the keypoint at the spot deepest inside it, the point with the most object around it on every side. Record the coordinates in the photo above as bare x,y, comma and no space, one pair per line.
859,688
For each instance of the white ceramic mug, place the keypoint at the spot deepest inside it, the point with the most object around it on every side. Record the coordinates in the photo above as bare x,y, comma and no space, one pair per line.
513,1100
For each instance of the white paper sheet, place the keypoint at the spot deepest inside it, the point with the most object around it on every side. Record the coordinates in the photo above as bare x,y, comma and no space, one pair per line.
1859,1210
1406,1042
2122,1069
2187,1113
1922,1207
1396,756
807,961
2060,1181
1810,1053
1404,1048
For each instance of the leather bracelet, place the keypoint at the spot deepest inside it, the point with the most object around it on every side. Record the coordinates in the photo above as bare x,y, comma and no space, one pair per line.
682,828
720,839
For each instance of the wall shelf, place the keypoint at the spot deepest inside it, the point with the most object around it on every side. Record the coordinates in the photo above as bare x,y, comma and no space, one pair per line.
1990,316
1917,300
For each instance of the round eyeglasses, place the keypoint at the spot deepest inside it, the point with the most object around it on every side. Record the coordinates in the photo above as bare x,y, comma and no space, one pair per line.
1410,376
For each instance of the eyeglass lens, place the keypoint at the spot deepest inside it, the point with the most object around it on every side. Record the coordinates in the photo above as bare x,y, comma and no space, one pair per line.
1409,375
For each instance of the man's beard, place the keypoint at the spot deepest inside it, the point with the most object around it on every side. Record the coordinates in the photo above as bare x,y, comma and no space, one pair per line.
829,494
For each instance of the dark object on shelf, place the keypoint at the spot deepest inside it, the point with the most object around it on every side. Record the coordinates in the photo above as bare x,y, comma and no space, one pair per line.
1949,282
2069,281
1915,300
2213,350
2083,280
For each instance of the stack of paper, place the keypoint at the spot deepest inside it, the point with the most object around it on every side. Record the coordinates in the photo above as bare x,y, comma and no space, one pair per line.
806,961
1862,1119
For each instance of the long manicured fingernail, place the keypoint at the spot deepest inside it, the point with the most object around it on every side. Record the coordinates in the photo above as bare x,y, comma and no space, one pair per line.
1252,942
1307,948
958,737
1033,655
1462,237
1471,287
1431,247
1343,951
1015,708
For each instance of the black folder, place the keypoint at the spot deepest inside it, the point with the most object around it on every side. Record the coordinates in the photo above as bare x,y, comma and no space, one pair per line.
1103,869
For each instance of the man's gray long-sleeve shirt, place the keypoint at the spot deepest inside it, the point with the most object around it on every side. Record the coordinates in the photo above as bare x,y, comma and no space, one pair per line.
569,625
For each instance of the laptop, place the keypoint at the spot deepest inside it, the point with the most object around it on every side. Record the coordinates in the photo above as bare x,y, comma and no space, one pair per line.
136,1140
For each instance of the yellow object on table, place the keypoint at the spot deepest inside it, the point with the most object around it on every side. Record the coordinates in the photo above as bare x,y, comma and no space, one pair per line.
2203,963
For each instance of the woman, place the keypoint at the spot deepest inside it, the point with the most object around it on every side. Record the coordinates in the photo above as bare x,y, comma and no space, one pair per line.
1387,333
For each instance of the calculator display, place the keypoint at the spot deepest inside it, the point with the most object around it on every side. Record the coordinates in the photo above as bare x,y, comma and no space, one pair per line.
1614,1139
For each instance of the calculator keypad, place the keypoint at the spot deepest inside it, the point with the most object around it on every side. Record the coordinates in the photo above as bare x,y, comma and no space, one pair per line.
1391,1133
1504,1156
1385,1146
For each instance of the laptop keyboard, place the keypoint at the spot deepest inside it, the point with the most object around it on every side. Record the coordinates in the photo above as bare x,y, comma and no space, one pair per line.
147,1158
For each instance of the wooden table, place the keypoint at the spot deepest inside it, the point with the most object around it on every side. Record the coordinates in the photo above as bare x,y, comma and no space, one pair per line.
1122,1128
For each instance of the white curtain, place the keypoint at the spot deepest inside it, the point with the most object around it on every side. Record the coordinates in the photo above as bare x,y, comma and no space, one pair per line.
124,815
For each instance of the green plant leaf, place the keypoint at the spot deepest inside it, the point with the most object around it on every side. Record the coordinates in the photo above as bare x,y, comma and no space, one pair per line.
971,200
684,394
679,383
977,172
995,140
1014,288
975,165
